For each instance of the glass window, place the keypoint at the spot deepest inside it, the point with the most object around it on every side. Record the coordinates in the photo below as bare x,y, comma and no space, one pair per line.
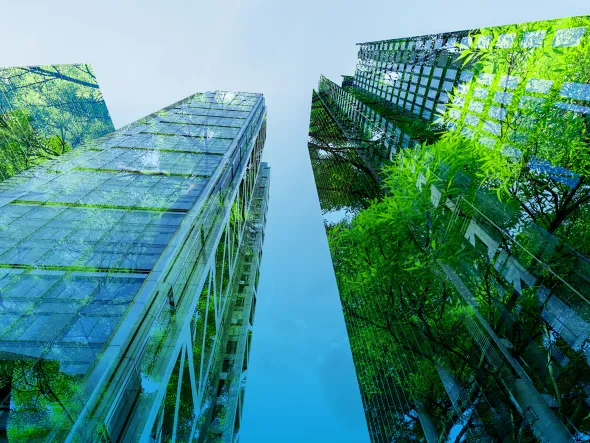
538,85
578,91
472,120
497,113
406,141
447,86
463,88
465,42
568,37
485,79
483,42
508,82
458,101
503,97
466,76
455,114
476,106
533,39
492,127
480,93
506,41
451,73
467,132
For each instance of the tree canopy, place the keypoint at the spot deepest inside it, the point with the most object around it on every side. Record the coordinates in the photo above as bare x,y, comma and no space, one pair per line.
45,111
468,273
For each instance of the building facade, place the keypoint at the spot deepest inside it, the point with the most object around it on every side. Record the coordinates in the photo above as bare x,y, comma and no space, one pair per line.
45,111
452,172
128,273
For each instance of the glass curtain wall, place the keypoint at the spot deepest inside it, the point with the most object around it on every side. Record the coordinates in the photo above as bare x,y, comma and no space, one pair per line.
464,279
120,265
46,111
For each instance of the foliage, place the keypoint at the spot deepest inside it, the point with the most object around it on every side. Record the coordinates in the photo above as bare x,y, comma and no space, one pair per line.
45,111
416,128
538,152
402,312
523,178
42,397
343,179
21,145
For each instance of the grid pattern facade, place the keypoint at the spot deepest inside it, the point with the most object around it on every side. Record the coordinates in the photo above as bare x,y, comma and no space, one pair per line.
414,74
119,265
343,180
418,73
416,91
227,414
380,130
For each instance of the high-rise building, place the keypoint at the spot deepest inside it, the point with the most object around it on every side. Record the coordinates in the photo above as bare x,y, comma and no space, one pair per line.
453,175
45,111
128,274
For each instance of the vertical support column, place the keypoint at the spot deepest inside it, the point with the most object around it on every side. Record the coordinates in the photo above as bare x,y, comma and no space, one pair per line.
427,423
547,425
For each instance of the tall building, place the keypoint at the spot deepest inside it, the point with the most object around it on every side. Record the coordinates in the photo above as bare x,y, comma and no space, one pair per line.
128,274
453,175
45,111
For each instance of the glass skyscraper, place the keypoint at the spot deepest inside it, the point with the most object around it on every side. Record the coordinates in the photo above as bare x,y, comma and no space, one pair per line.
45,111
128,274
453,175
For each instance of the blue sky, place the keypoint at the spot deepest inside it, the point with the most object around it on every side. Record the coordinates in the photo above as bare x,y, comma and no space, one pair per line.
148,54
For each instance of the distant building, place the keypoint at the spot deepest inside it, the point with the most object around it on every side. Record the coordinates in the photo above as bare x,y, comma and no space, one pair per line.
452,172
128,274
45,111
